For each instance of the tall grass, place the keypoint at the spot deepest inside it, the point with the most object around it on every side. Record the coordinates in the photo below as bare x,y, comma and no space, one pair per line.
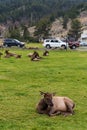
63,72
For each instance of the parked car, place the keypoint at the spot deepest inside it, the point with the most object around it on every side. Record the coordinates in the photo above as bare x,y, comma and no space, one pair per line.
73,44
83,43
54,43
12,42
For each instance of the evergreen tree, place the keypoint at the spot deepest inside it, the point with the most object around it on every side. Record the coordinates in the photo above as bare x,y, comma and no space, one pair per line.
14,32
42,28
26,33
65,21
76,29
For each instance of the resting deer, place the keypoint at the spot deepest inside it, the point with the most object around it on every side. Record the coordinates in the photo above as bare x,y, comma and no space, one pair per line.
9,54
35,56
46,53
54,105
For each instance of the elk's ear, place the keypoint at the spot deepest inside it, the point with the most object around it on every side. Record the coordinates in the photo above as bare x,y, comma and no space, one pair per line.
42,93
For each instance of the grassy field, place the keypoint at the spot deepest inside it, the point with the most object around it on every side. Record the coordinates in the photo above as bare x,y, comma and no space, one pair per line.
63,72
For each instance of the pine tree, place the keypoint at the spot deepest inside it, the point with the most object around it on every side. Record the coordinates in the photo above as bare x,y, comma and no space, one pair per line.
26,33
65,21
14,32
76,29
42,28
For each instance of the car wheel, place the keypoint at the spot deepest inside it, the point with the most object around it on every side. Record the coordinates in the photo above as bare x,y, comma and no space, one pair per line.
18,46
48,46
73,47
63,47
6,45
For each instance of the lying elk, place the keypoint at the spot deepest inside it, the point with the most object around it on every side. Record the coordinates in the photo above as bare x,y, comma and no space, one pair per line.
35,56
55,105
46,53
17,56
8,54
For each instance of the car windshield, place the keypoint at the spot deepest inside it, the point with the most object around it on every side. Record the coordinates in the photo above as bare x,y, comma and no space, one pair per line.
59,40
16,40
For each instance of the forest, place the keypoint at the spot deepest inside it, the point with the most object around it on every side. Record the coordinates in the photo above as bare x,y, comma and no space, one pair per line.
31,11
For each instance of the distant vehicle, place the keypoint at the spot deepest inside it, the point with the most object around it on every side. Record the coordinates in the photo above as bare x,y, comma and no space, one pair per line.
83,43
73,44
54,43
12,42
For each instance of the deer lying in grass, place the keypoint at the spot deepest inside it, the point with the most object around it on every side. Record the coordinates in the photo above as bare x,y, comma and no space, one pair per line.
34,56
55,105
46,53
9,54
17,56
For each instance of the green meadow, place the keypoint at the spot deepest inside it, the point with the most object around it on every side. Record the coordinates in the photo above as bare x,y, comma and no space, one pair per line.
63,72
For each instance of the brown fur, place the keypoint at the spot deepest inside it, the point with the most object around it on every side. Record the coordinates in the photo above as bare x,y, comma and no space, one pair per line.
46,53
9,53
43,107
17,56
55,105
30,54
35,56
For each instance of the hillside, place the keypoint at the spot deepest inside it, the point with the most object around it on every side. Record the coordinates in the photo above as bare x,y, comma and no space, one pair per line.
20,13
57,28
31,11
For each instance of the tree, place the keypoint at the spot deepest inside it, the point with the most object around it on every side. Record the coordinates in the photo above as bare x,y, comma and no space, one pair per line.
65,21
76,29
42,28
26,33
14,31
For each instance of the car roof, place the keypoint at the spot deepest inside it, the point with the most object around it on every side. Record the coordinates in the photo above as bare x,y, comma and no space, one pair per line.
8,39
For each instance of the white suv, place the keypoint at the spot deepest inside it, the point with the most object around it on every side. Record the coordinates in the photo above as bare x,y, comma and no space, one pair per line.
54,43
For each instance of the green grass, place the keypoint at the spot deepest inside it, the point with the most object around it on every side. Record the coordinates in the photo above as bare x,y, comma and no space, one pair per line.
63,72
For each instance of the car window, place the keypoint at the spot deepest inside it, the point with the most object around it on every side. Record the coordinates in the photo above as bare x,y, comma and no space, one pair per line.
47,40
56,41
52,41
13,41
8,40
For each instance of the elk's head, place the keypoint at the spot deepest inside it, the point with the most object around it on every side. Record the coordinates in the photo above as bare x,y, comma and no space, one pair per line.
47,98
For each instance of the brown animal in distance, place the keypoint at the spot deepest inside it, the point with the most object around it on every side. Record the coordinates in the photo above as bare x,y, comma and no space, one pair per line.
8,54
17,56
46,53
55,105
35,56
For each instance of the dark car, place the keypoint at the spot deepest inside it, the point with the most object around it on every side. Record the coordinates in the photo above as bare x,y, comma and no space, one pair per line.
73,44
12,42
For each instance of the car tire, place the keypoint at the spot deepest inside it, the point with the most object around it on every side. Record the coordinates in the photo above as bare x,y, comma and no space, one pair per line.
48,46
6,45
18,46
73,47
63,47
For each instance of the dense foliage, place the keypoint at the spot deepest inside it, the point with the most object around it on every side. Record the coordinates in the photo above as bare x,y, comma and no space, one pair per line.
32,11
76,29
